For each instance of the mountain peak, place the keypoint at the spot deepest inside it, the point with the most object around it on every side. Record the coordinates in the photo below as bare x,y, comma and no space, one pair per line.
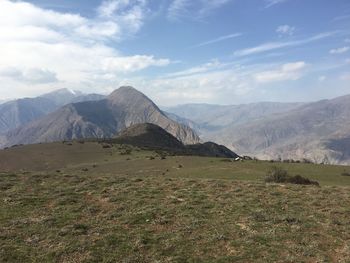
125,92
63,91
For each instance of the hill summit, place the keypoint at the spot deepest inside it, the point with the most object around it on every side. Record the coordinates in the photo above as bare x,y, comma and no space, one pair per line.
149,135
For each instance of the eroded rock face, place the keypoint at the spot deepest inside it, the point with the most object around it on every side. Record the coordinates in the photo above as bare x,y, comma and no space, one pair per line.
99,119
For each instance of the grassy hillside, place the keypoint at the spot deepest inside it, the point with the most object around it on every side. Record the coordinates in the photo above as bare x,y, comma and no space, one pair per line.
94,202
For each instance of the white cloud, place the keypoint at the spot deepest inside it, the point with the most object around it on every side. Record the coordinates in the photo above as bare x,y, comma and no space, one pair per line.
132,63
285,30
216,40
279,45
31,75
289,71
193,9
340,50
270,3
45,46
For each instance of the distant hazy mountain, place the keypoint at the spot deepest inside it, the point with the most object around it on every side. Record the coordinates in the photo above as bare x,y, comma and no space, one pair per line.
22,111
62,96
18,112
88,97
99,119
318,131
207,117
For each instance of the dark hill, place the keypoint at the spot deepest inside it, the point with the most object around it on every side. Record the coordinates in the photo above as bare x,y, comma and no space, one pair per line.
154,137
149,135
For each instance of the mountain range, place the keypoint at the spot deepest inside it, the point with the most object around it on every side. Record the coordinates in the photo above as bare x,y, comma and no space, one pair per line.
318,131
98,119
18,112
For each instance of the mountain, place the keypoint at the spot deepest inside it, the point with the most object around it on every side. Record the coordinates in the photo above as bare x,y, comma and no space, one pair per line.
99,119
88,97
62,96
154,137
18,112
15,113
319,131
210,117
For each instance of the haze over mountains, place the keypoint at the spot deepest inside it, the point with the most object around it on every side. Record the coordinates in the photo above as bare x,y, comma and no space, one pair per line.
319,131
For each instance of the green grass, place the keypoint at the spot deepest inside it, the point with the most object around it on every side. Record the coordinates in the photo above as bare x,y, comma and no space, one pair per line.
129,208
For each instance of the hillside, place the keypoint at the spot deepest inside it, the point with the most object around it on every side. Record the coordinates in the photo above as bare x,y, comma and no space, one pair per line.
210,117
317,131
99,119
154,137
314,131
16,113
83,202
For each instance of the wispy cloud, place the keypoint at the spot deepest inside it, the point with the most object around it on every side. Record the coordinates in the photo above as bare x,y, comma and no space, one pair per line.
193,9
340,50
285,30
265,47
216,40
270,3
289,71
340,18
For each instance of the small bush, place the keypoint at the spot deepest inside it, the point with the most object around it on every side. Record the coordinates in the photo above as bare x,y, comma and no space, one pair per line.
276,175
297,179
345,173
279,175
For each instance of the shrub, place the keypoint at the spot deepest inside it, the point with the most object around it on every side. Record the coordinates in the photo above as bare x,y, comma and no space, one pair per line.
345,173
276,175
297,179
279,175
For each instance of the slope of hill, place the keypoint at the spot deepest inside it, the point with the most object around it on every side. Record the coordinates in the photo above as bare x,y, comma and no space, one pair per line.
18,112
22,111
99,119
148,135
82,202
208,117
152,136
318,131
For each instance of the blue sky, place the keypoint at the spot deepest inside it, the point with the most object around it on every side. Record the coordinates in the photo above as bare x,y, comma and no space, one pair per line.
178,51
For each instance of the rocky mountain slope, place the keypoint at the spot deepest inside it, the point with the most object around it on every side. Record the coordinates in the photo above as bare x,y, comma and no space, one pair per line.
99,119
208,117
22,111
318,131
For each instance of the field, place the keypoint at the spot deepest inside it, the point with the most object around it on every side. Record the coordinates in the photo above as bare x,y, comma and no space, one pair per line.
90,202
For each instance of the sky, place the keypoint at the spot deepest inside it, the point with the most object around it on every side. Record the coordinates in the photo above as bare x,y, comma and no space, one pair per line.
178,51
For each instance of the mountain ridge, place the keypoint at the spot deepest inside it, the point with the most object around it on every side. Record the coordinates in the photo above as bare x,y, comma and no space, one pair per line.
99,119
